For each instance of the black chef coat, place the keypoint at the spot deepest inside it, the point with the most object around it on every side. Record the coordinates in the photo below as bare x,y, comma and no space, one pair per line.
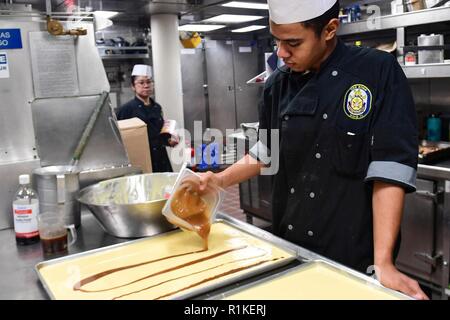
340,129
153,117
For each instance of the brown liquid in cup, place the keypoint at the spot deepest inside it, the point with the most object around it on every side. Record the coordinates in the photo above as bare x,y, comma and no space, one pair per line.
188,205
54,245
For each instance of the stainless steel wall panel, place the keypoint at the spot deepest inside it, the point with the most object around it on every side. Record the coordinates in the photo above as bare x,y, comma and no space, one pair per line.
439,93
431,93
59,124
421,92
16,125
91,73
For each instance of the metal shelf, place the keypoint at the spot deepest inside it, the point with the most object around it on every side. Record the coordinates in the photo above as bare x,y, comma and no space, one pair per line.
418,71
124,56
113,56
435,70
400,20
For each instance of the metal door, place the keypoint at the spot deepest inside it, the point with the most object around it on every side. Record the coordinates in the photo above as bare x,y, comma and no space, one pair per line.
245,61
417,231
192,71
221,85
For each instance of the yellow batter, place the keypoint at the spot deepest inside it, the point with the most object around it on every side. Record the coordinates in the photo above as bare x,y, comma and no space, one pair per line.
317,281
231,253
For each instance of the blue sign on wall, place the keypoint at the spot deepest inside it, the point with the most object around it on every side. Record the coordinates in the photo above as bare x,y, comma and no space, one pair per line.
10,39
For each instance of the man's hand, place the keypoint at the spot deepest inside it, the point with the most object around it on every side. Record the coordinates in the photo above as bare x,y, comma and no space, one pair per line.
387,215
208,179
390,277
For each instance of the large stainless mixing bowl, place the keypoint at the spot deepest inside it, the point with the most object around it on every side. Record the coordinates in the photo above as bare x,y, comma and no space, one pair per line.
130,207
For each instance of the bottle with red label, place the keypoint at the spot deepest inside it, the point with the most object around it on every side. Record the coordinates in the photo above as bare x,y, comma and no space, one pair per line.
26,210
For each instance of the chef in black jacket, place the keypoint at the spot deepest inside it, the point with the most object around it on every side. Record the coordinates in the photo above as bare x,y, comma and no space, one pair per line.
348,143
149,111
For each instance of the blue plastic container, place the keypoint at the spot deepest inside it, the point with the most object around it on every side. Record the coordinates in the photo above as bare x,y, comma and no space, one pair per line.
209,156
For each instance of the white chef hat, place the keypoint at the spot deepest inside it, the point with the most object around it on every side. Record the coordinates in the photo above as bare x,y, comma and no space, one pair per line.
289,11
142,70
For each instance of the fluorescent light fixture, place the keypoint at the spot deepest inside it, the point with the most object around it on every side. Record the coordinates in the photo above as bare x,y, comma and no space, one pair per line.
246,5
200,27
249,28
101,24
105,14
233,18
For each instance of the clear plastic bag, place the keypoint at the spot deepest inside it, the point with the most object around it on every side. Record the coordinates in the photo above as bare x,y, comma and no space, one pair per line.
190,209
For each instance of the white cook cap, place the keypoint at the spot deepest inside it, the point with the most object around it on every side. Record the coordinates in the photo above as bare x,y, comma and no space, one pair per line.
142,70
292,11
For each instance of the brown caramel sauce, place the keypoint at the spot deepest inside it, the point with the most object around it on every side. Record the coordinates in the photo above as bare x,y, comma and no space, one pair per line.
184,276
217,276
78,286
202,226
85,281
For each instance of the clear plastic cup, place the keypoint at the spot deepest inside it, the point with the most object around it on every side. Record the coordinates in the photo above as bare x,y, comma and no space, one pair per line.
190,209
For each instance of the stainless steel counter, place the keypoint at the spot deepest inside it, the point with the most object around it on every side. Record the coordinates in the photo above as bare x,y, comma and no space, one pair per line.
439,171
19,281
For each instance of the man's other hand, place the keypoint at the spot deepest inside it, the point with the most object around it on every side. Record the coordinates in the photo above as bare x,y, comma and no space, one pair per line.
390,277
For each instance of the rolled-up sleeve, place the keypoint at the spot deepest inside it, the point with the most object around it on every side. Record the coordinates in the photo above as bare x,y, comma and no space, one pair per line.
261,149
394,144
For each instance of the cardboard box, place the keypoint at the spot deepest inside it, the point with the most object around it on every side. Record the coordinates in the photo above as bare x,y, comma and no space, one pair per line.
135,138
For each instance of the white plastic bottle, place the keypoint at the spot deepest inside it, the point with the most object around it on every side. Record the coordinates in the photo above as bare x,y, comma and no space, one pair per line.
26,210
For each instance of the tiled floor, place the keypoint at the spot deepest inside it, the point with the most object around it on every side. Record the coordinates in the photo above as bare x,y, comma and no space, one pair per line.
231,206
